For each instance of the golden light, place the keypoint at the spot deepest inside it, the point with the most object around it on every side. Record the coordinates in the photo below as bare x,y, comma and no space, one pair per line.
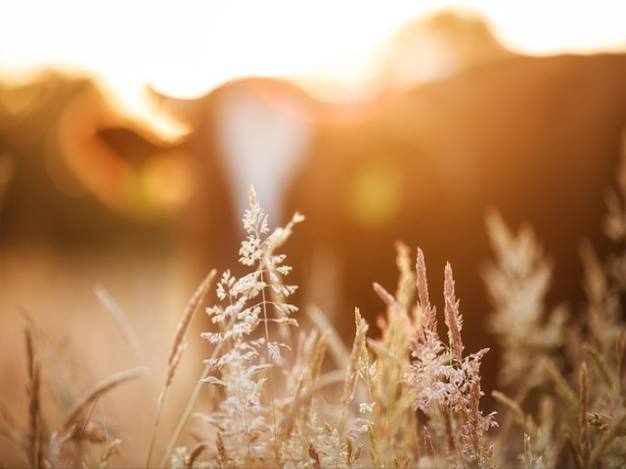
374,195
186,48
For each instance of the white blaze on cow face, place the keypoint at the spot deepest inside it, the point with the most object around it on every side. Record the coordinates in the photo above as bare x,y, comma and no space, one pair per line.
262,144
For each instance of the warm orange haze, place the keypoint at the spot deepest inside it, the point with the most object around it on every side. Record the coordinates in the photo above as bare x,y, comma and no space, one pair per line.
454,170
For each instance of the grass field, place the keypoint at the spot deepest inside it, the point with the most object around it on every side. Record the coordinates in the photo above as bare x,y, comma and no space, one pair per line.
274,394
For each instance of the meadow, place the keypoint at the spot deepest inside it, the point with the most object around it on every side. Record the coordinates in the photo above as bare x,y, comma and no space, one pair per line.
274,393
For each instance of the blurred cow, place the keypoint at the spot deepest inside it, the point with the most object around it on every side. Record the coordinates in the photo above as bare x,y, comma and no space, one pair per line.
536,138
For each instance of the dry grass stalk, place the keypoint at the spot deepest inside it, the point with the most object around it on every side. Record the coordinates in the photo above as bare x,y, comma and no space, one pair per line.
353,365
428,312
449,431
405,290
338,350
289,419
561,385
171,371
176,351
35,450
517,284
585,442
601,364
429,448
191,308
98,391
386,297
314,455
195,454
516,411
189,406
305,387
571,446
222,456
452,316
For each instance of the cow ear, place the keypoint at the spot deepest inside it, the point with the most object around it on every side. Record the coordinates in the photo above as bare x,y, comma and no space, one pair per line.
118,157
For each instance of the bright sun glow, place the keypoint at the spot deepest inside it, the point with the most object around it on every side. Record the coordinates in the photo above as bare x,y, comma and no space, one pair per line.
186,48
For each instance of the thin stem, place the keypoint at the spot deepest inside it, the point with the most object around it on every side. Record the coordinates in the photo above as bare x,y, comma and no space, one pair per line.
190,405
176,350
185,415
244,398
155,427
263,303
267,356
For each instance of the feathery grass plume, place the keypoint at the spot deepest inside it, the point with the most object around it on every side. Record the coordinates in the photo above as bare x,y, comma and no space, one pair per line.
605,287
430,368
443,379
246,420
592,422
453,318
428,312
517,284
257,250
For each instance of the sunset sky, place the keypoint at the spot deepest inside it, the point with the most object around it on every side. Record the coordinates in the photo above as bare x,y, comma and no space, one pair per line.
185,48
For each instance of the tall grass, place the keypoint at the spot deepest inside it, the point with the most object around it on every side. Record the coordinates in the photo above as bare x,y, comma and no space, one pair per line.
408,397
